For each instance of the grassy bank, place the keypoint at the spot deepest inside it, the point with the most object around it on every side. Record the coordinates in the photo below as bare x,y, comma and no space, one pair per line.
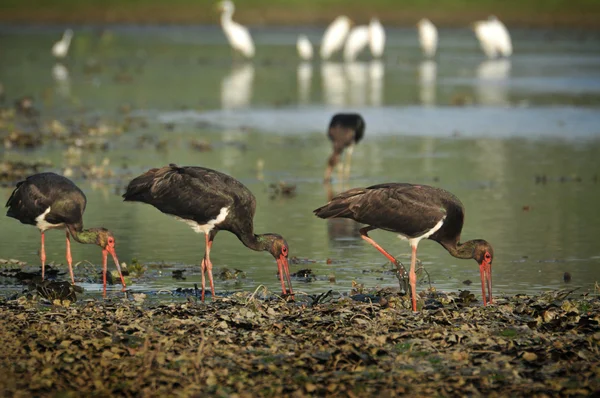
243,347
530,13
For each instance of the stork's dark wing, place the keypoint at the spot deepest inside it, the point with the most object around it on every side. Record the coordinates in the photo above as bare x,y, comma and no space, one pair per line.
39,192
193,193
405,208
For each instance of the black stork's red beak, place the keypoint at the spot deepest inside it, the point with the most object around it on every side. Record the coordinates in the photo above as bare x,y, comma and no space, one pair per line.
284,269
485,269
110,248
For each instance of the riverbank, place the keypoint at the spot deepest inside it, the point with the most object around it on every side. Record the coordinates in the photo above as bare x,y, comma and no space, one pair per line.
444,13
241,347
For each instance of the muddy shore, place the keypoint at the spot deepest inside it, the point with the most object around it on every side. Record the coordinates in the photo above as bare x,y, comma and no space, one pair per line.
540,346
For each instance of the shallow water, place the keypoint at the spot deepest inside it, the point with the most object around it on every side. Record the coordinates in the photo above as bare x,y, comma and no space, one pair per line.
481,129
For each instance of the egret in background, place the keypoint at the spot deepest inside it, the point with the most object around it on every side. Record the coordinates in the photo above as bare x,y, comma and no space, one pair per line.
60,49
357,41
335,36
304,47
238,36
376,38
493,37
503,41
428,37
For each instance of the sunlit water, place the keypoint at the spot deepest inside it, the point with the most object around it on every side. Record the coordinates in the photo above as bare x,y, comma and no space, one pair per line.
479,128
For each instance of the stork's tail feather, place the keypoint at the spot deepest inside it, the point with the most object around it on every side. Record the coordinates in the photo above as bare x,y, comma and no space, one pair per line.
139,188
341,205
333,209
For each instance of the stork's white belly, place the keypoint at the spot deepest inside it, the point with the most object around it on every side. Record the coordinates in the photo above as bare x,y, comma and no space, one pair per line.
43,225
206,228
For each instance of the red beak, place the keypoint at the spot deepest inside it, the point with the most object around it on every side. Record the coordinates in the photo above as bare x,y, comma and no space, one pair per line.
111,250
485,269
284,270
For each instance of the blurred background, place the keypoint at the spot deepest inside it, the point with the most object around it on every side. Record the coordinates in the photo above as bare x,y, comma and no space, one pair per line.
496,101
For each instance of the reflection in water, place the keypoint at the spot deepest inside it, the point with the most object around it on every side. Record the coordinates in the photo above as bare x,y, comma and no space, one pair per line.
427,86
353,83
334,83
340,230
60,74
356,72
492,82
376,74
304,76
236,88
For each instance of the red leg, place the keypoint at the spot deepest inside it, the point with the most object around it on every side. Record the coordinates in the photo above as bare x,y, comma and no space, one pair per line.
69,258
203,268
364,234
209,266
412,276
43,256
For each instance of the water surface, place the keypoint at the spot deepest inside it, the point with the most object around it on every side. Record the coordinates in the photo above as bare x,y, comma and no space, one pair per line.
479,128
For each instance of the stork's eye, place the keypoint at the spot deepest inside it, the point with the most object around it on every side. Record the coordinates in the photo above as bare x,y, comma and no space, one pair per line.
284,250
488,256
111,240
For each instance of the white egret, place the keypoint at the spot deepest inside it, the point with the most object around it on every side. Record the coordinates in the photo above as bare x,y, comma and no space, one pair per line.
238,36
356,42
485,34
502,37
493,37
335,36
376,38
304,47
428,37
60,49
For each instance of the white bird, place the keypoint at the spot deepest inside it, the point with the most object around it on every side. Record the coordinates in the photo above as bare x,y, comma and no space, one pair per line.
484,33
335,36
304,47
503,42
238,36
357,41
428,37
60,49
376,38
493,37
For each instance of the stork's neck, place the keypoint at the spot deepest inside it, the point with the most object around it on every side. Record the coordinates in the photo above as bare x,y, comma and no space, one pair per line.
255,242
87,236
461,250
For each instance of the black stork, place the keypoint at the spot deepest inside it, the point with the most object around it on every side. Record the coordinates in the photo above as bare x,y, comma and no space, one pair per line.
208,201
345,130
51,201
415,212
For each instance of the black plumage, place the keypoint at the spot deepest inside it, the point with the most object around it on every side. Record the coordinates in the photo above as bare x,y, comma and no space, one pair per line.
209,201
51,201
415,212
345,130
